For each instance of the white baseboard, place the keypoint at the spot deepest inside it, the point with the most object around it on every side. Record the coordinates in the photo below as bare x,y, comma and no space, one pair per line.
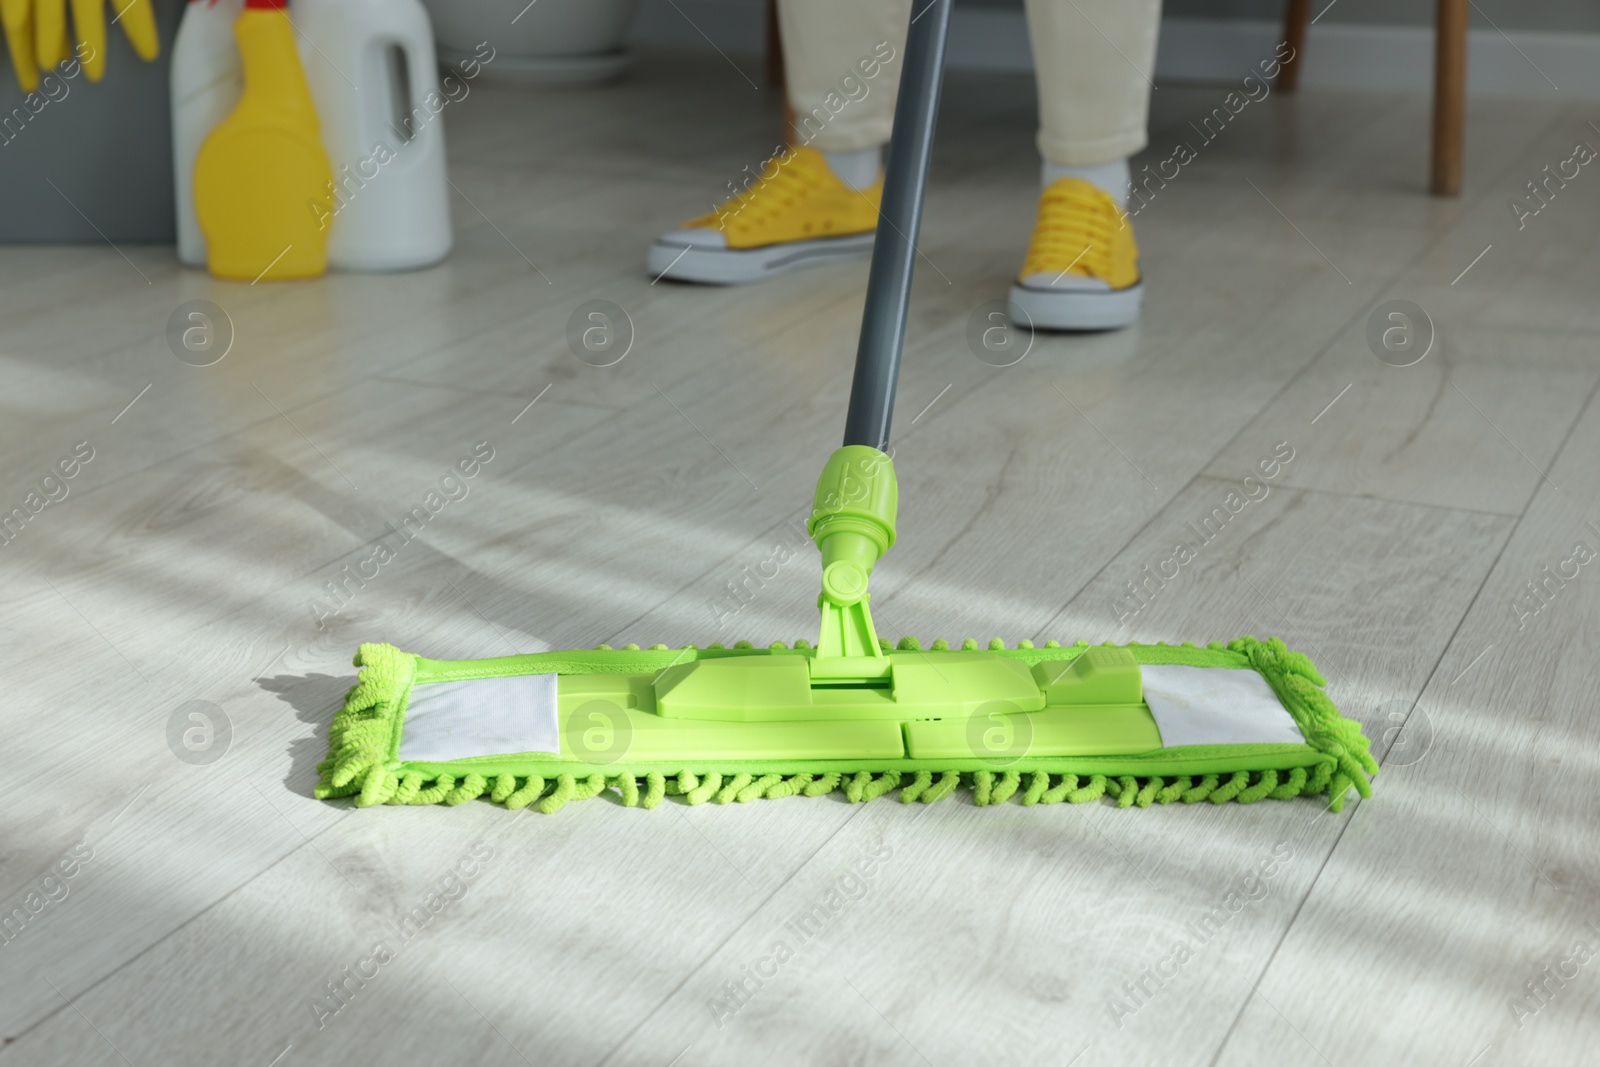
1337,55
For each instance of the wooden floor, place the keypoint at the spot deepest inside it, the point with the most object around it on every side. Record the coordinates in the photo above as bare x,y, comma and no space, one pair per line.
176,912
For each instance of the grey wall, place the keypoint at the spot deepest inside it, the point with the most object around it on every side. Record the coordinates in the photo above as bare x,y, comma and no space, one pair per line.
1551,16
107,148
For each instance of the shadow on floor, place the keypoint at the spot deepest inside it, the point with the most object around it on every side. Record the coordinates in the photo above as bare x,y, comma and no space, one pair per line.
314,698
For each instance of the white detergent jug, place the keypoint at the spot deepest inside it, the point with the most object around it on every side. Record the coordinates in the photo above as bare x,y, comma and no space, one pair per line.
373,75
205,83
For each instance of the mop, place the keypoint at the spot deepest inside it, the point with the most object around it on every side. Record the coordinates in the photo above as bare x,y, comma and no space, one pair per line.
853,714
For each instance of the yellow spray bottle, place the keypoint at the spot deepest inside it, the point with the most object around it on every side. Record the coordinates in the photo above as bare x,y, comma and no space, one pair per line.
261,179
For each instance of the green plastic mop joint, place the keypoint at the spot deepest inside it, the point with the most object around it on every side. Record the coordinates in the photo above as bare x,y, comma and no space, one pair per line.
852,523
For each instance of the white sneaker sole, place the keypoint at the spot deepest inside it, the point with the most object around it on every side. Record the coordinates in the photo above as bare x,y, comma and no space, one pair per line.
1075,309
736,266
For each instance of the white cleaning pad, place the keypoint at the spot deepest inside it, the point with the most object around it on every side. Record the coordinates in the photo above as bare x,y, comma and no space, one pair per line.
481,717
1215,706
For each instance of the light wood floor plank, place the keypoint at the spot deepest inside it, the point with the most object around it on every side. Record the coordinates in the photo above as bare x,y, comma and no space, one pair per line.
1474,868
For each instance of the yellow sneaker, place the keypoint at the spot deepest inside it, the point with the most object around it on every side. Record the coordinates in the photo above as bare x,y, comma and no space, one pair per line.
797,213
1082,270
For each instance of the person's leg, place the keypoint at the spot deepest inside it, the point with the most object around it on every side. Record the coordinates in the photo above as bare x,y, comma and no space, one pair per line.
1094,59
818,200
841,62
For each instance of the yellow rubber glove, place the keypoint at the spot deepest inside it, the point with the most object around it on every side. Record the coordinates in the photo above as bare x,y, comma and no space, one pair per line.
36,31
138,20
50,42
17,18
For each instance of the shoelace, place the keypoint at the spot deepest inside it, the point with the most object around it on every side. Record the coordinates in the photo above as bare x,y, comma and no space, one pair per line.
1072,231
780,185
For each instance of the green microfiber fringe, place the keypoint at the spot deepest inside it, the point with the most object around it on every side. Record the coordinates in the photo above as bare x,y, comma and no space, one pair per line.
365,734
1244,787
704,791
365,731
826,783
988,788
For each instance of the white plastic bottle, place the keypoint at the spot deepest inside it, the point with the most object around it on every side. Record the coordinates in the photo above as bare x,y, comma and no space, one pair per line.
373,75
205,85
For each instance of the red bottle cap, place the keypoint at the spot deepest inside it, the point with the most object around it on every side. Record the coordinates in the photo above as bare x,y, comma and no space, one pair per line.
270,5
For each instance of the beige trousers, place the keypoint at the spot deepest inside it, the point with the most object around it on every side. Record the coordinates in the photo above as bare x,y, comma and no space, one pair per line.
1094,59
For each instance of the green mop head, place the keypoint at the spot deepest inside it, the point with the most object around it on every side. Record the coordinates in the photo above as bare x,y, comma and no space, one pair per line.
1139,723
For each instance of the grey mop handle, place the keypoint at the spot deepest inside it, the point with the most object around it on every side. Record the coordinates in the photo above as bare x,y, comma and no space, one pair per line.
883,322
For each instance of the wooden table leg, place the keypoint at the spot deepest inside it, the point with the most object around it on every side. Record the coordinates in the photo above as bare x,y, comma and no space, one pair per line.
775,76
774,47
1449,96
1294,35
